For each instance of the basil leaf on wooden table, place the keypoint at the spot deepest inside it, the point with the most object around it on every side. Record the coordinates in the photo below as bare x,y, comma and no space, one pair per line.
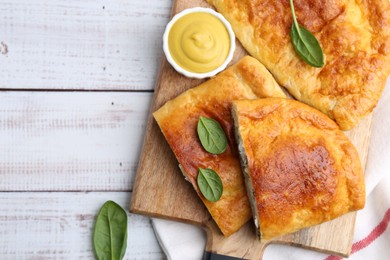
210,184
110,233
305,44
211,135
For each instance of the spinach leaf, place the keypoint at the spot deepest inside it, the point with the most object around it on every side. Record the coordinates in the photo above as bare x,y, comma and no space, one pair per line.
211,135
210,184
110,233
305,44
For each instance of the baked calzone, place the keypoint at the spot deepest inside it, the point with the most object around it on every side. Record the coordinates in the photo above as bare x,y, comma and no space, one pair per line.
300,169
178,119
355,38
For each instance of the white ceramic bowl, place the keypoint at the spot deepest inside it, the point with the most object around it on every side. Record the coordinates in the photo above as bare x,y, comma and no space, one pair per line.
193,74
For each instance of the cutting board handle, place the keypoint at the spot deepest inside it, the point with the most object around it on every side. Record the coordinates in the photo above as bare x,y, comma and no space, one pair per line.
239,245
213,256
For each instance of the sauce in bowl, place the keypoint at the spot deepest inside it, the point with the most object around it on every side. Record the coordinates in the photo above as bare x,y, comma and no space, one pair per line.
199,42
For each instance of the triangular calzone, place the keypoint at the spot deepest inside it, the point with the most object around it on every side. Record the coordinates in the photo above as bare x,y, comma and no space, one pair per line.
178,118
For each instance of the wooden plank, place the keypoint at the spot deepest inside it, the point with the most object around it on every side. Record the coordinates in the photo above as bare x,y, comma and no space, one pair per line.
178,200
45,225
81,44
69,141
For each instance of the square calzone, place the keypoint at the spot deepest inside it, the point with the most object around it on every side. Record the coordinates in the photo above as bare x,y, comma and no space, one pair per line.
300,168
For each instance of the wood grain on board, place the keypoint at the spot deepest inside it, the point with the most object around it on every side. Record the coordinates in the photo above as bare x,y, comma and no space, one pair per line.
161,191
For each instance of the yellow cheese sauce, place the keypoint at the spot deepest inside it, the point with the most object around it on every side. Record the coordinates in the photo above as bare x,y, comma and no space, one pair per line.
199,42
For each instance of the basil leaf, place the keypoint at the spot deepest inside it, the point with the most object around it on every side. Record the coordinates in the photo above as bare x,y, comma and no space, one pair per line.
305,44
211,135
110,233
210,184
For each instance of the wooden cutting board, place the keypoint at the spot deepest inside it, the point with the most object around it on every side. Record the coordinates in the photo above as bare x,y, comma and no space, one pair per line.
161,191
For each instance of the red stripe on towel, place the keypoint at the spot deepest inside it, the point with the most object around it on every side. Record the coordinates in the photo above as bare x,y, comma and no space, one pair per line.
375,233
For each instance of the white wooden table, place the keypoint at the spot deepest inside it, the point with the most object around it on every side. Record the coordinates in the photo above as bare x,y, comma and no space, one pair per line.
76,81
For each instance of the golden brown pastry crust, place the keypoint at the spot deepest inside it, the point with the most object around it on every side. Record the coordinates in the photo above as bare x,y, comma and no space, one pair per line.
354,35
302,168
178,118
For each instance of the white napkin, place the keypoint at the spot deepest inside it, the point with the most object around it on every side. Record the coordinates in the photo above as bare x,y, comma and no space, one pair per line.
372,234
